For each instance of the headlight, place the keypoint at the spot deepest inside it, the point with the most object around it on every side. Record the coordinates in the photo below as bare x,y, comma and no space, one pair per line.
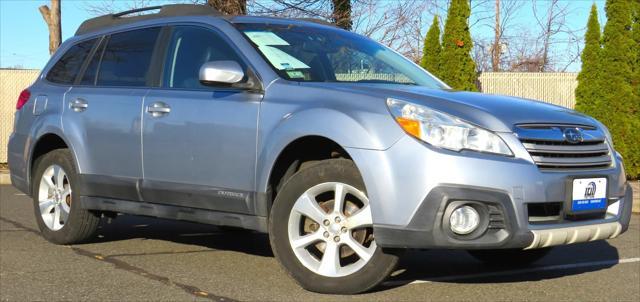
443,130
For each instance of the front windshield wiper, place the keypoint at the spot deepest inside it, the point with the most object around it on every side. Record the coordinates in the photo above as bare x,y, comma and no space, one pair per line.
385,82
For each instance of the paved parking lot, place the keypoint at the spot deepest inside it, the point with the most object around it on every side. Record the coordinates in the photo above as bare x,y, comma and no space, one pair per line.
137,258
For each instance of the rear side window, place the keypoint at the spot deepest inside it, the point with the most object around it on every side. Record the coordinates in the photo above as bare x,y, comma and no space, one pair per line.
89,75
190,48
126,59
67,68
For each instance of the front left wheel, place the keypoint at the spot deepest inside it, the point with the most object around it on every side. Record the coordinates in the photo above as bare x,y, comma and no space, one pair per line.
321,230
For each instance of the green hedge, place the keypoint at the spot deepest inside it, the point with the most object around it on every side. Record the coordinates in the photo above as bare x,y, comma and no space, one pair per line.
608,82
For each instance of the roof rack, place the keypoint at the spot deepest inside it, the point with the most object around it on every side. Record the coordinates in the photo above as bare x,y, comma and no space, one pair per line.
171,10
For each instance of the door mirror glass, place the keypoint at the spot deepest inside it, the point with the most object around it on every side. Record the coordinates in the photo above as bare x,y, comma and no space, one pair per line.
221,72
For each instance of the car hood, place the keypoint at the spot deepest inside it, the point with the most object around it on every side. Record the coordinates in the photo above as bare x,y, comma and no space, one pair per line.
494,112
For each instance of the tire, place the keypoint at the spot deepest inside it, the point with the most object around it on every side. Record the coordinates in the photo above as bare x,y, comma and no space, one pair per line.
74,224
509,257
353,273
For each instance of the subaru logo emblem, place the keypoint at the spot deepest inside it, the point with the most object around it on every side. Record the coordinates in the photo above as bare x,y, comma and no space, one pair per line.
572,135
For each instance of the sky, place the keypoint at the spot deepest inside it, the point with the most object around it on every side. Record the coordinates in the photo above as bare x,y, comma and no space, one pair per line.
24,35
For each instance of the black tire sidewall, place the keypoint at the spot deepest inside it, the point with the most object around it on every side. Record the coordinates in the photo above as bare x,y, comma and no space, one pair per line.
69,232
335,170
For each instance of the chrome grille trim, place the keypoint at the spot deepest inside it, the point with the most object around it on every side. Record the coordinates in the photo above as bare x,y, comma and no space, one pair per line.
550,151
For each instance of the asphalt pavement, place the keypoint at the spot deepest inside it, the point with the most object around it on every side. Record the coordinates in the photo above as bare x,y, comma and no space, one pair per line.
140,259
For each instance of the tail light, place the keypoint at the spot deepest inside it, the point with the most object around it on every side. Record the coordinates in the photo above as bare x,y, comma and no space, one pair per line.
23,98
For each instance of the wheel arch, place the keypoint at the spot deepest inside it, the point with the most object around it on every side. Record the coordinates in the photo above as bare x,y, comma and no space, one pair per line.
43,144
295,155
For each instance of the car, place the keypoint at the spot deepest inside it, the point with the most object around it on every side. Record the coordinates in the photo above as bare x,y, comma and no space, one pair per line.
342,150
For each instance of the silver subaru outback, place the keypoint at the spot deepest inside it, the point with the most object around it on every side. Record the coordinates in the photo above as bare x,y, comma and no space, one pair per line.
339,148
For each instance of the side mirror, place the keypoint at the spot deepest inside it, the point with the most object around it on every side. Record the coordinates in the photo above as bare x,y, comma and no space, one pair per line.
221,72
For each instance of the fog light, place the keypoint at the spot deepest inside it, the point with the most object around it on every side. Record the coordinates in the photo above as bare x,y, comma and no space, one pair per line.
464,220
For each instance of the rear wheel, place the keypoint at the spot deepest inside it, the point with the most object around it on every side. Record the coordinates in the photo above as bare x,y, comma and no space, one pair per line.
321,230
59,218
509,257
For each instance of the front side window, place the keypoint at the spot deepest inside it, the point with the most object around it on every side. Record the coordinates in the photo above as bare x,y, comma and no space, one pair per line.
127,57
67,68
189,49
315,54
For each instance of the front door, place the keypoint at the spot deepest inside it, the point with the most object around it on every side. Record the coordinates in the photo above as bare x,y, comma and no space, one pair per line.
199,142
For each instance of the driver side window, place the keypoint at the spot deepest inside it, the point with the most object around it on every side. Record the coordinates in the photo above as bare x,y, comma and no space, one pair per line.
189,49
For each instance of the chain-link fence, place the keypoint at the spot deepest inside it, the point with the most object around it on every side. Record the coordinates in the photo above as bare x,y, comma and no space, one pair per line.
551,87
555,88
12,82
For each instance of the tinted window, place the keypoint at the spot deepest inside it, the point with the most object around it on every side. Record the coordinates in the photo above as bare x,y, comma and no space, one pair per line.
190,48
126,59
89,76
66,69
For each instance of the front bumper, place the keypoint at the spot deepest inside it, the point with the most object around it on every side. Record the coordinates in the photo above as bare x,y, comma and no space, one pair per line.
411,184
424,232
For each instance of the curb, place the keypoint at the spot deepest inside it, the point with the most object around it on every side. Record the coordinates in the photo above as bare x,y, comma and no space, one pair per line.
635,185
5,179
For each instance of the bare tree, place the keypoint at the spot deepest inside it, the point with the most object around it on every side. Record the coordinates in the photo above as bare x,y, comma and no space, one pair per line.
495,58
52,17
400,25
552,22
342,13
229,7
397,24
103,7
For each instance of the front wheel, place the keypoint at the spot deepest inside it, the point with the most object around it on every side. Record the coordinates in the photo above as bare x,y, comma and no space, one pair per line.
321,230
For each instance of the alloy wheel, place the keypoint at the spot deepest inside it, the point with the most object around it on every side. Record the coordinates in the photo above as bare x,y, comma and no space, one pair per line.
330,229
54,197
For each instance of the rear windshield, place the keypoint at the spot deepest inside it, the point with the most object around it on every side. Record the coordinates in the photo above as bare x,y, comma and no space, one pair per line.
317,54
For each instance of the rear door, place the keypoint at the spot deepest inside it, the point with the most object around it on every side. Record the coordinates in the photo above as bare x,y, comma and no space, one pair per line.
199,141
102,114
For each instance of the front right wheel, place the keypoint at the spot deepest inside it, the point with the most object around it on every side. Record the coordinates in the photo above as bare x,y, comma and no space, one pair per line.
321,230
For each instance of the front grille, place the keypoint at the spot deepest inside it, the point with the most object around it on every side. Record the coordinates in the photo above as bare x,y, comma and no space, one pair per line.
549,150
561,155
545,212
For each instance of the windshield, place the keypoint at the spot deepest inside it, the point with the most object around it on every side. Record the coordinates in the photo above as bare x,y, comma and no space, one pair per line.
314,54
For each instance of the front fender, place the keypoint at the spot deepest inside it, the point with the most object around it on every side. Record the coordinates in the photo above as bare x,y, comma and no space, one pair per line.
346,130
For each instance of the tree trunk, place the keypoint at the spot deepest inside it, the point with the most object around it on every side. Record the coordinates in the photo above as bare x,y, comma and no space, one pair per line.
52,18
342,13
495,59
229,7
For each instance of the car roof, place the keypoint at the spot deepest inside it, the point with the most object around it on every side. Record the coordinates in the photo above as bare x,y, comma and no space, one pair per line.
174,10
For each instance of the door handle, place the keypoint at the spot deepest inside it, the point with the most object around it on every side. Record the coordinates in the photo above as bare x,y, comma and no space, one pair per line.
78,105
158,109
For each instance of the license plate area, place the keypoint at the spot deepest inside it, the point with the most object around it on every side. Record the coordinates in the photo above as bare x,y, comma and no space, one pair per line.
586,195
